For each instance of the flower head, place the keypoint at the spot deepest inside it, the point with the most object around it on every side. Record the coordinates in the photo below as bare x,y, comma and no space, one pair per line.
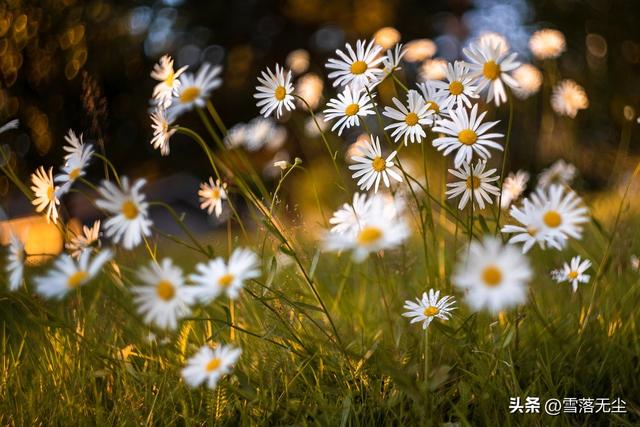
529,80
168,80
162,130
431,306
46,193
15,262
87,237
458,88
568,98
408,121
370,167
560,172
547,43
209,365
348,107
476,184
356,68
275,92
573,272
211,196
512,187
76,160
193,89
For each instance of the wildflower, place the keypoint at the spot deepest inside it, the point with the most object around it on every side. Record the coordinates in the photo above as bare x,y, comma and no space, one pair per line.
211,196
435,98
560,172
348,107
15,262
431,306
46,194
512,187
408,121
356,68
209,365
274,92
492,68
130,220
475,184
494,276
348,216
458,89
217,276
86,238
193,89
162,130
465,133
574,273
529,80
68,274
370,166
391,60
568,98
168,80
76,160
162,299
547,43
528,229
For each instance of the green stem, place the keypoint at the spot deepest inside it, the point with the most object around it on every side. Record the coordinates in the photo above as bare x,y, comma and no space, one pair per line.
504,162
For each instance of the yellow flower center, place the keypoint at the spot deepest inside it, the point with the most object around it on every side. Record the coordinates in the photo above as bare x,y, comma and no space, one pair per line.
491,70
50,192
552,219
74,174
491,276
165,290
369,235
280,93
352,109
225,280
129,210
475,184
213,364
170,77
456,87
76,279
431,311
378,164
572,275
434,106
215,194
359,67
189,94
411,119
467,137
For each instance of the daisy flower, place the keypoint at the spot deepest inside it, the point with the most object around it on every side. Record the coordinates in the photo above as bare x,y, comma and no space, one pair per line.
193,89
168,84
568,98
348,107
348,216
356,68
529,80
409,120
492,68
46,193
528,230
465,133
162,299
275,92
89,236
162,130
560,172
130,220
11,124
431,306
547,44
391,60
492,275
76,160
209,365
68,274
435,98
512,187
573,272
370,166
217,276
475,184
458,88
377,230
211,196
15,262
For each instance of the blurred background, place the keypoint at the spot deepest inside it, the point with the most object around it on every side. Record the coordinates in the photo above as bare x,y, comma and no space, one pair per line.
85,65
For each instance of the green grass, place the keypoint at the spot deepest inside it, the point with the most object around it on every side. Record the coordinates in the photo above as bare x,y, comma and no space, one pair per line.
88,360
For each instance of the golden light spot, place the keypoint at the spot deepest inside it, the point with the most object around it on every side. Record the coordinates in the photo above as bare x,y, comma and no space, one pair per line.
491,70
76,279
456,87
189,94
213,364
280,93
476,182
129,210
434,106
74,174
369,235
225,280
165,290
431,311
572,275
359,67
378,164
491,276
411,119
552,219
467,137
352,109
